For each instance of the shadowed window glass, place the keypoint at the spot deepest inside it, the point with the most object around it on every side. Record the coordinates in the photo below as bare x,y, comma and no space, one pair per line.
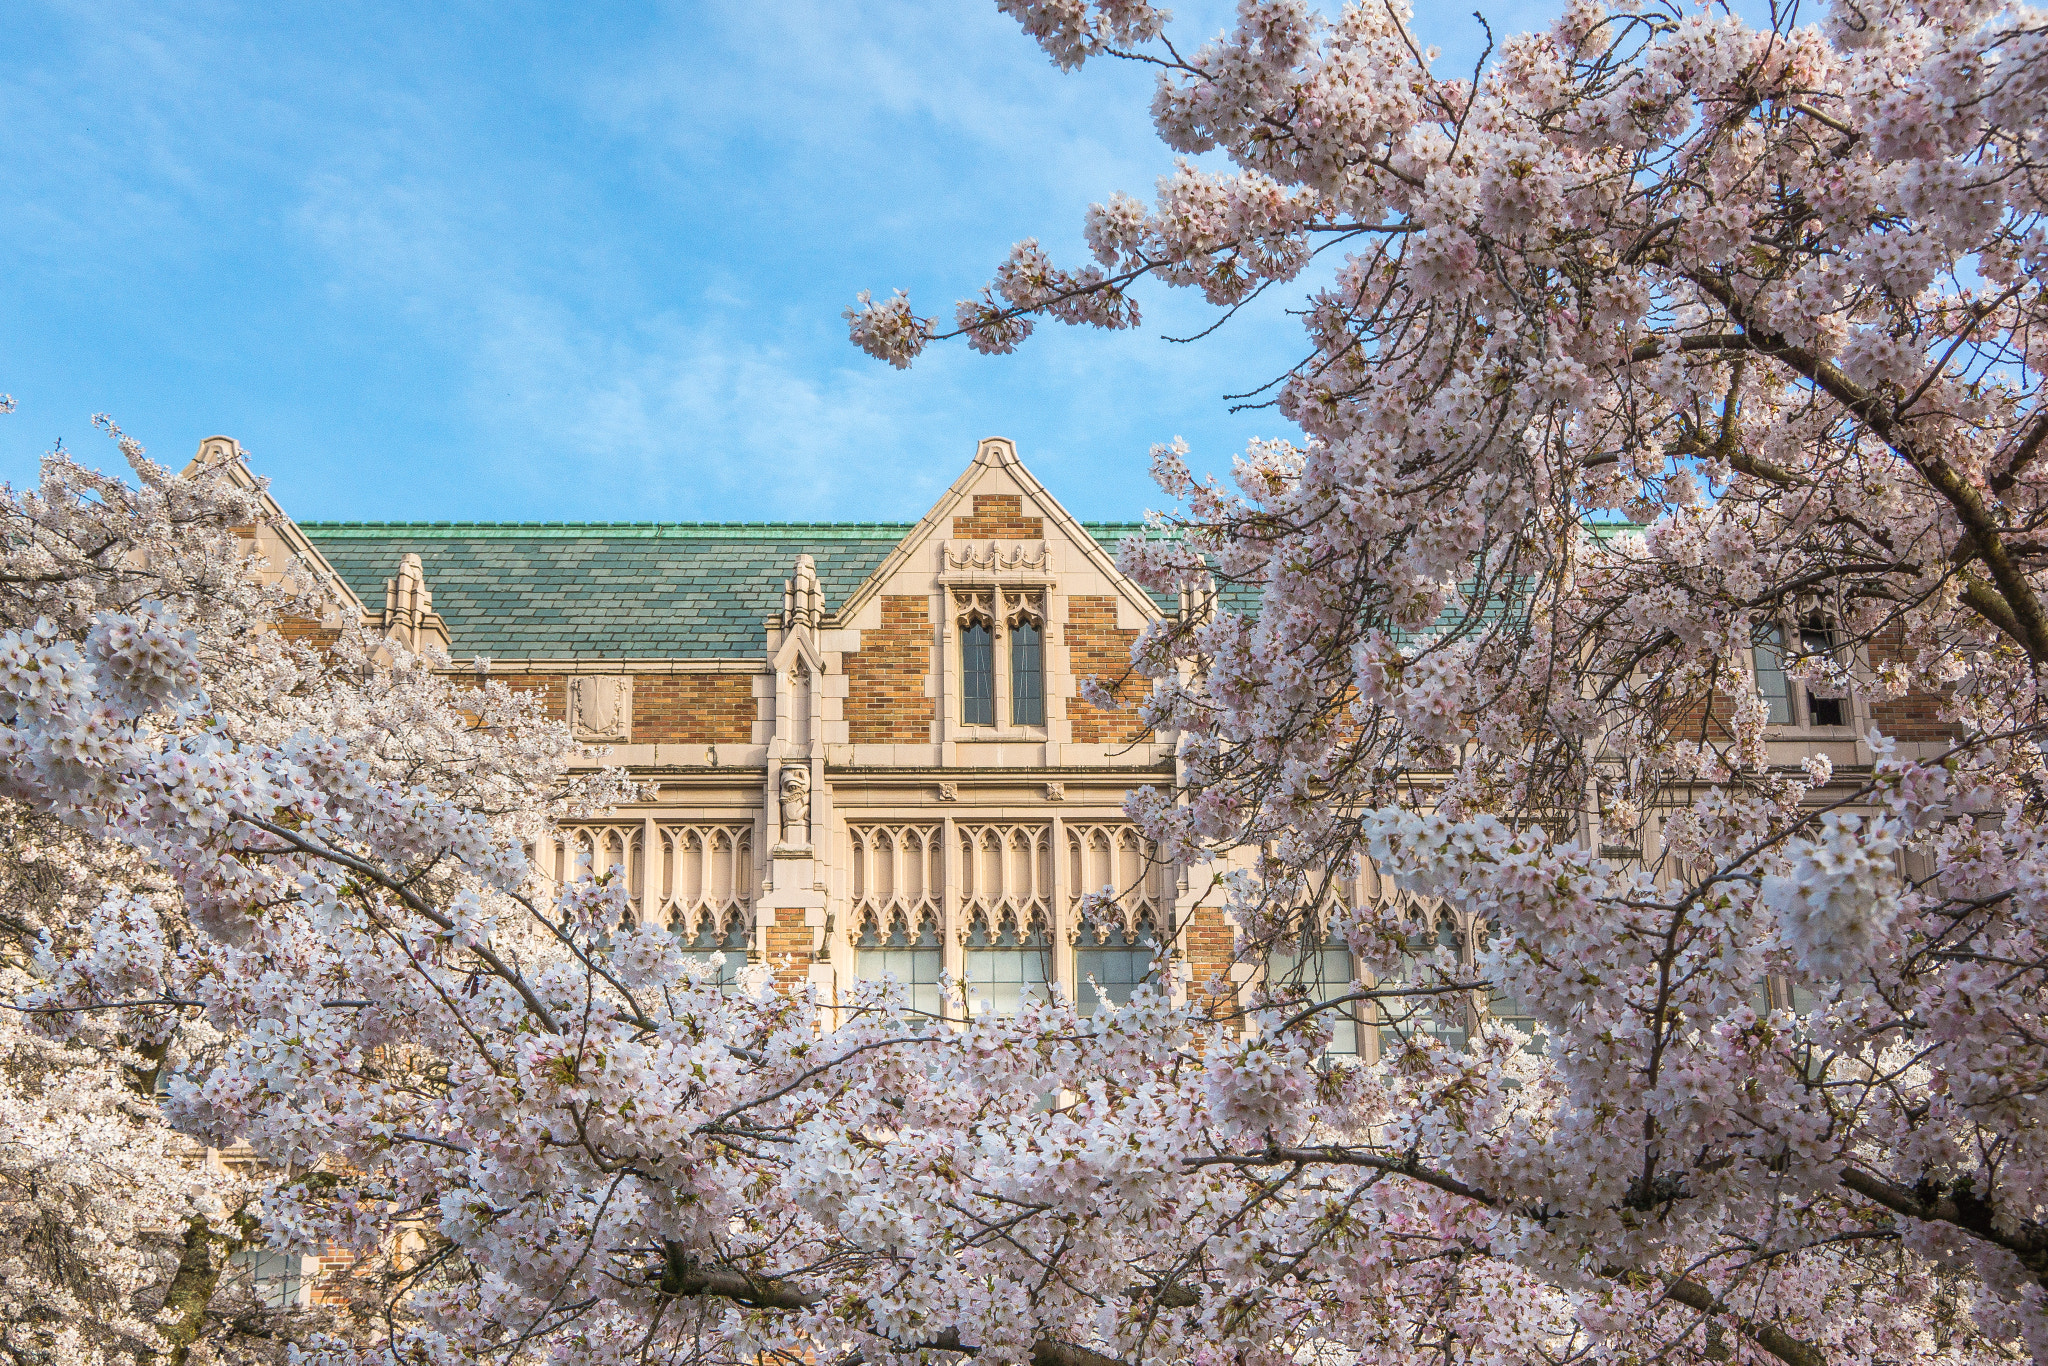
1027,692
1770,674
977,676
1109,966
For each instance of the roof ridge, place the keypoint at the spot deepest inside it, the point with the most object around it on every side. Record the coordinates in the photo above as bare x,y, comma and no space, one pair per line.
332,523
329,531
414,526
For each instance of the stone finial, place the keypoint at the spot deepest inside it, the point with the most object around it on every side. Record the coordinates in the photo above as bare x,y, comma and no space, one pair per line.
803,601
409,616
216,451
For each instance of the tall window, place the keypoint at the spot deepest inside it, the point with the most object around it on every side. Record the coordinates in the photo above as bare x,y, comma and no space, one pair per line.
1006,968
1027,689
1790,706
1821,711
1116,963
1770,674
1323,966
1002,655
977,674
913,961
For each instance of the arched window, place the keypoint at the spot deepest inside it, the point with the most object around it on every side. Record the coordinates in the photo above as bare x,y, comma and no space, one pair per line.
977,674
1116,963
710,941
1005,968
1027,685
1320,967
913,961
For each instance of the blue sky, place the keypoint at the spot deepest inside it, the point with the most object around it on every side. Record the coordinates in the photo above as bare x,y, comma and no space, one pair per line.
516,261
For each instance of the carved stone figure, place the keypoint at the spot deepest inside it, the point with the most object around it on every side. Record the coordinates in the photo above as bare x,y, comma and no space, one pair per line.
601,706
795,791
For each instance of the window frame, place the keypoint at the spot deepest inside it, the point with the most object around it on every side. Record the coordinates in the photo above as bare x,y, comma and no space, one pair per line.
1033,672
1115,945
977,708
1799,701
897,946
1001,609
1304,959
279,1280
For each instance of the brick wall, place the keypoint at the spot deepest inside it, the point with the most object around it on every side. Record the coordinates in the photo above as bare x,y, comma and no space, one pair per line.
1207,941
706,709
1917,715
308,632
553,690
1706,716
789,952
998,517
1098,648
885,682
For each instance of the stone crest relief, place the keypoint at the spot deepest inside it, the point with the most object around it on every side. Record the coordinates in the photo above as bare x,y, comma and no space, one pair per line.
601,706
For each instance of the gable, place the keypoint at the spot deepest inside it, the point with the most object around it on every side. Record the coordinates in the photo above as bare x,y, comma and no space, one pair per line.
996,499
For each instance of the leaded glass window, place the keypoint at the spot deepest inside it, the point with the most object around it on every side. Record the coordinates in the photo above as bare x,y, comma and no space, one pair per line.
1005,968
1323,967
278,1278
729,946
1116,963
912,960
1770,673
977,675
1821,711
1442,1014
1027,686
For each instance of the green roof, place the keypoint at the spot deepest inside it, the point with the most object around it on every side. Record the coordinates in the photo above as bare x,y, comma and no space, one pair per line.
615,590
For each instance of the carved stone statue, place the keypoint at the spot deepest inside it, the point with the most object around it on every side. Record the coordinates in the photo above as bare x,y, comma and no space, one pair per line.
795,792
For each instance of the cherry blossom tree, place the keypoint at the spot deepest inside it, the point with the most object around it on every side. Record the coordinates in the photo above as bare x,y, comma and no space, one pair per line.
118,1239
1765,294
1661,332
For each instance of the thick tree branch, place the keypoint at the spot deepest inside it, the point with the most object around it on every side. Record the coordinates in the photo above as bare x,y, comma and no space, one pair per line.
2029,622
1958,1209
682,1277
1772,1339
202,1255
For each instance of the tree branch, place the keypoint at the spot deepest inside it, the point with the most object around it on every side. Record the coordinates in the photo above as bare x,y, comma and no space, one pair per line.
2029,622
682,1277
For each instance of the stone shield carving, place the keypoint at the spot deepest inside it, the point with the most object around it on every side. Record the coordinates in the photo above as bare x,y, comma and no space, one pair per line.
601,706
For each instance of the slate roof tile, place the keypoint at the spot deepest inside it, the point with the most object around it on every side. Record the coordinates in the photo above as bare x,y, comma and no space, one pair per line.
675,590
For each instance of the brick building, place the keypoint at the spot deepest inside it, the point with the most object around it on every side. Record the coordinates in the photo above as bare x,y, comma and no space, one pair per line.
865,743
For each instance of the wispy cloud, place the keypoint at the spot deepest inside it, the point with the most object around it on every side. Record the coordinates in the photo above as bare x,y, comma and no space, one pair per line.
445,261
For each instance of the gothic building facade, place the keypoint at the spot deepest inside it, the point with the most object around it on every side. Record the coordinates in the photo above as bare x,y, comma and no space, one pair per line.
865,746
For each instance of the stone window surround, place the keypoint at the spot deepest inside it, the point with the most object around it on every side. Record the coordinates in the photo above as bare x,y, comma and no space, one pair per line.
951,871
1855,709
999,581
